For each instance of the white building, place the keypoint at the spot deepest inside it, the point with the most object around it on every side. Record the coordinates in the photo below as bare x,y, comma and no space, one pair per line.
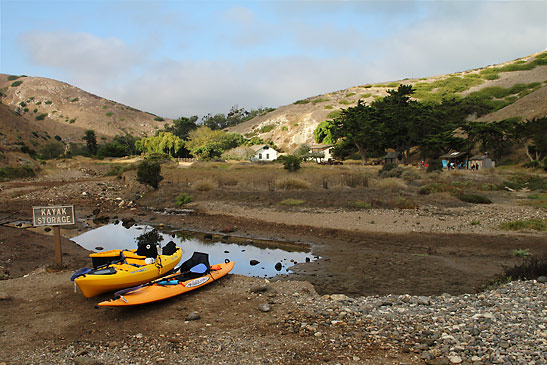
326,150
263,152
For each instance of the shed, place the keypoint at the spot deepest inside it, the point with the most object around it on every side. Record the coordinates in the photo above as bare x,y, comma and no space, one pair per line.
391,158
481,161
263,152
455,159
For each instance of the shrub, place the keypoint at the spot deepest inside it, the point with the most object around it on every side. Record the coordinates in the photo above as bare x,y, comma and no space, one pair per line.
298,102
108,114
9,173
12,77
183,199
149,173
41,116
474,198
16,83
531,268
74,100
435,165
159,119
387,167
267,128
291,163
51,150
522,252
203,185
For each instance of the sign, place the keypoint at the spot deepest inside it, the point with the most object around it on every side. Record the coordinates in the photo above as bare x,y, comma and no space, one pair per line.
53,216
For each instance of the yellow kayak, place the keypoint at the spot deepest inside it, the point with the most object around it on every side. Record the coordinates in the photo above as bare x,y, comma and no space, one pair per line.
123,268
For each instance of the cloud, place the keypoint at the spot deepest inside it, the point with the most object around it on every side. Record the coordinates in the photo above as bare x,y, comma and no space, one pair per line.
82,56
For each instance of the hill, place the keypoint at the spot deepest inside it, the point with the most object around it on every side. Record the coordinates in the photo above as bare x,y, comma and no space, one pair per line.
517,89
34,110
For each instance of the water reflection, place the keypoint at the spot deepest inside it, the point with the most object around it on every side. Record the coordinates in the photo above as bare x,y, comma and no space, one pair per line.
272,260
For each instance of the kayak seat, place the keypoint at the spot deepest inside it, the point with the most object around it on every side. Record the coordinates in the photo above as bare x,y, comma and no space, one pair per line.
169,249
107,271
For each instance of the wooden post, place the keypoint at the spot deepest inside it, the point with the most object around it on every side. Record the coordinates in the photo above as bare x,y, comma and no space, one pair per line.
58,249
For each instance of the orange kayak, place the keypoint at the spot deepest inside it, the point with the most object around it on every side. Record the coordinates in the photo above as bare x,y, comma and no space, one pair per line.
167,287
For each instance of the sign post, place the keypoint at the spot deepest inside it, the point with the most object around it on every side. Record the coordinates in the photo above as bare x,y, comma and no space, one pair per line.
54,216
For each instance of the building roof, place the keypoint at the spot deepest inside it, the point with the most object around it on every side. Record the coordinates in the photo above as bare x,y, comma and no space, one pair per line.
321,147
454,154
258,147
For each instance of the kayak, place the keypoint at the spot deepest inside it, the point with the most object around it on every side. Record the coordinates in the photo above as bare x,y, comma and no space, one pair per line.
168,287
118,269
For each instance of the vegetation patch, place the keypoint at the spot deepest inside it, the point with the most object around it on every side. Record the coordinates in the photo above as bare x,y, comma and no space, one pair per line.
474,198
358,204
532,268
299,102
41,116
74,100
183,199
16,83
267,128
522,252
10,173
535,224
319,100
292,202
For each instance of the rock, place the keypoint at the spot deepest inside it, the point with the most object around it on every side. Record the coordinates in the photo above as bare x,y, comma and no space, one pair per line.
4,295
338,297
542,279
278,266
139,335
455,359
99,248
193,316
258,289
208,236
264,307
254,262
86,360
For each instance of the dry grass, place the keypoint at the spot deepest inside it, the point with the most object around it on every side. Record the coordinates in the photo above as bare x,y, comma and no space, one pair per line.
292,183
203,185
390,184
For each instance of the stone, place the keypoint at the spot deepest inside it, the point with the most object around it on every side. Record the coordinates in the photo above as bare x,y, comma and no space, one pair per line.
455,359
542,279
254,262
193,316
264,307
259,289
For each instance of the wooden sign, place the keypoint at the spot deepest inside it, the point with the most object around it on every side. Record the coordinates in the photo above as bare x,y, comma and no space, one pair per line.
54,216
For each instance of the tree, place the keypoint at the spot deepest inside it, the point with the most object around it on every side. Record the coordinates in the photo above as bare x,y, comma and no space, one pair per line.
207,143
51,150
149,173
494,137
91,141
534,134
182,127
163,142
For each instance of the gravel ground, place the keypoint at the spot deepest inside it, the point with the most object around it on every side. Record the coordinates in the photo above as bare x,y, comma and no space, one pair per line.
506,325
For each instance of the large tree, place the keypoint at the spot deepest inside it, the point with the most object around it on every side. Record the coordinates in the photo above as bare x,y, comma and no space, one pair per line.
163,142
534,134
91,141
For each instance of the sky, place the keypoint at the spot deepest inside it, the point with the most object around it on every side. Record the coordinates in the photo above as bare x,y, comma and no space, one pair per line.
182,58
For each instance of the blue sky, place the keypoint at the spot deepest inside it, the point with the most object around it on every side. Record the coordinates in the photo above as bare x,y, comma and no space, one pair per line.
181,58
